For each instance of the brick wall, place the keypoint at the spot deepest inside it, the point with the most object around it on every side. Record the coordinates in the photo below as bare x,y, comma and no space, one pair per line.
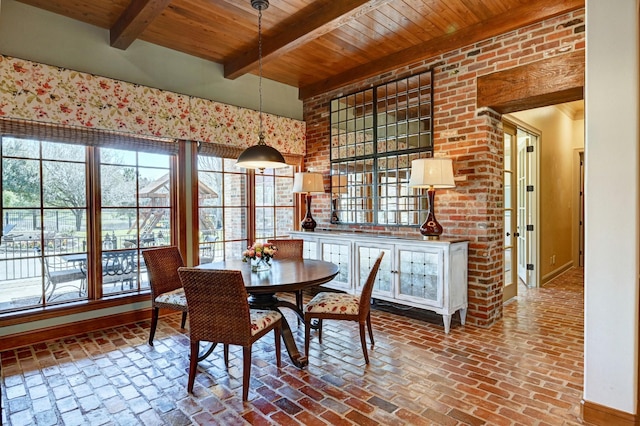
471,136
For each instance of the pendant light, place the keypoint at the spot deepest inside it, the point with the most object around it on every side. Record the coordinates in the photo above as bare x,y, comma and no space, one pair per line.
260,156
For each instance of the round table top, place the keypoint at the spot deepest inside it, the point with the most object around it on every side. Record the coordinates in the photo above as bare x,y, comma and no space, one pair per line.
284,275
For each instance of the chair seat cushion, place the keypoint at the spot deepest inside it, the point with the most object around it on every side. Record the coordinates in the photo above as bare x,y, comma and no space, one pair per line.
262,319
333,303
174,297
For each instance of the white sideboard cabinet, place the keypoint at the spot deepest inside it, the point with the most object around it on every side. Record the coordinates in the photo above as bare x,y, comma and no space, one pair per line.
429,275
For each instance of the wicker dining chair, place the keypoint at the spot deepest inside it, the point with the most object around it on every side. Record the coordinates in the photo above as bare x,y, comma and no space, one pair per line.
162,265
343,306
290,248
219,313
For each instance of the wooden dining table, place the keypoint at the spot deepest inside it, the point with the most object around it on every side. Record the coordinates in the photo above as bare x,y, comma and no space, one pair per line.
288,275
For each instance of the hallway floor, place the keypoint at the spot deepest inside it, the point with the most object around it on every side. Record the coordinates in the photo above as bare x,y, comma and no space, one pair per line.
525,370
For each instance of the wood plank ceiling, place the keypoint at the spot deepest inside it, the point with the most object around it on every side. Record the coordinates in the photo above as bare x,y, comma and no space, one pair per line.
315,45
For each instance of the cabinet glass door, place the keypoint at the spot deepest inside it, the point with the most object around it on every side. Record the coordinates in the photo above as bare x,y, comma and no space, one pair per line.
340,254
310,250
420,277
365,258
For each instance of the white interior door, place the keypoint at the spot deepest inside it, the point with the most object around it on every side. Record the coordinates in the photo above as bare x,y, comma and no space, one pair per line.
527,226
510,271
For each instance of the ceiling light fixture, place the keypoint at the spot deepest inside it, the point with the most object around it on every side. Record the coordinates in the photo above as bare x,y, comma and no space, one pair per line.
260,156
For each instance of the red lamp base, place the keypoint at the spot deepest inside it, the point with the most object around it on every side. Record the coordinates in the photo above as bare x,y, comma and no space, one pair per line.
308,223
431,229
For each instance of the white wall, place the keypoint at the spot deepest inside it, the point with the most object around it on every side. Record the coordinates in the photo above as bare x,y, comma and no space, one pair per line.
611,152
30,33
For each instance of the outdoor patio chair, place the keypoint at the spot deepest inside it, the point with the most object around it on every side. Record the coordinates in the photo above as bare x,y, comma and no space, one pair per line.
219,313
343,306
61,274
162,265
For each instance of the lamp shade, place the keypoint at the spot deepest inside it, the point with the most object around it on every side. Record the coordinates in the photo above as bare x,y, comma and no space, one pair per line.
432,172
308,182
261,156
338,184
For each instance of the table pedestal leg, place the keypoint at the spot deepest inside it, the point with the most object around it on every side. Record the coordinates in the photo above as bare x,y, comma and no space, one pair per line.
270,301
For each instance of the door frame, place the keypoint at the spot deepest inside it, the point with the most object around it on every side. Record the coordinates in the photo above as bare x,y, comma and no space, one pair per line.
577,226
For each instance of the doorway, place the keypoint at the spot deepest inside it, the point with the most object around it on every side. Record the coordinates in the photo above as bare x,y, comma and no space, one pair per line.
546,145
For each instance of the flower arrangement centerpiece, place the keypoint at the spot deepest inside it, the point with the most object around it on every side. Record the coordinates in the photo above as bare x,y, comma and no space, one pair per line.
260,255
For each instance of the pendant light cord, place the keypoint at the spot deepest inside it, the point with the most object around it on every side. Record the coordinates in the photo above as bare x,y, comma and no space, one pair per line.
260,131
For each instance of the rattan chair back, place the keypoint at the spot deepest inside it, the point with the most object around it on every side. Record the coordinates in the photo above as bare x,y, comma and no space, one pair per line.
219,313
162,265
218,306
288,248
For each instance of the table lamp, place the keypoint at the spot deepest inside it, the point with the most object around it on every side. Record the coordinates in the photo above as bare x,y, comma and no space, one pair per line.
338,186
432,173
308,183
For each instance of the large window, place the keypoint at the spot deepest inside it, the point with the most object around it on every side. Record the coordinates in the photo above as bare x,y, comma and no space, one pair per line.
76,216
74,220
136,210
236,205
223,209
375,134
44,220
274,203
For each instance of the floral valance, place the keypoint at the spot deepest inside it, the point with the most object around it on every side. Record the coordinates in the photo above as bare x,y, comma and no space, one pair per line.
43,93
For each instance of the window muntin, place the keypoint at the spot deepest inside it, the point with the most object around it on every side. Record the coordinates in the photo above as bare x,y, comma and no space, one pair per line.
375,134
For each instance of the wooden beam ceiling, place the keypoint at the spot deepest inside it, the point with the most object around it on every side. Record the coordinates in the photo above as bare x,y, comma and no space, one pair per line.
310,25
134,20
314,45
509,21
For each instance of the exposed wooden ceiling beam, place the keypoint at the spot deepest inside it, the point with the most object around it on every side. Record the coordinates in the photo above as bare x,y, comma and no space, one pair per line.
316,23
511,20
133,21
541,83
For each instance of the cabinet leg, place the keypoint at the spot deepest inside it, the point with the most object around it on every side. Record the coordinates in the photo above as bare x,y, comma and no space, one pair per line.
463,315
447,322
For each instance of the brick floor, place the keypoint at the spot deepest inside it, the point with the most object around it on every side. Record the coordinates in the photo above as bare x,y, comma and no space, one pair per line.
525,370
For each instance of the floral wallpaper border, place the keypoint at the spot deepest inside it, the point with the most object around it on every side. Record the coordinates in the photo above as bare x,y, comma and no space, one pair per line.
44,93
